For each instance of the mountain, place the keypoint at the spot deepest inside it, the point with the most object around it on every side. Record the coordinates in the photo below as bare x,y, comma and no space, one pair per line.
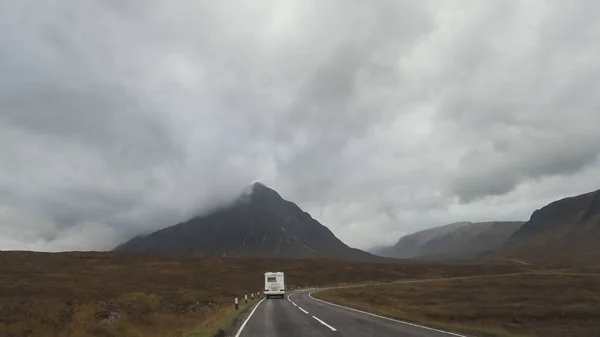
567,228
258,224
458,240
409,246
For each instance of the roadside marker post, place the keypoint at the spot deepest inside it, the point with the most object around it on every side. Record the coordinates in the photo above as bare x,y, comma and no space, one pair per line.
246,298
253,296
236,304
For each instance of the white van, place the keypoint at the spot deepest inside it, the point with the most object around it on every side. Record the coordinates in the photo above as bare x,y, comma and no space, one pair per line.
274,285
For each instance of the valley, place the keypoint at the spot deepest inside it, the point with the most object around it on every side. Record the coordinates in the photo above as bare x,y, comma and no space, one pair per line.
126,295
299,169
494,279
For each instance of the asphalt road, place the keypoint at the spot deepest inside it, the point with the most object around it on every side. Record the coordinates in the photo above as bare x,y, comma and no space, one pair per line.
299,315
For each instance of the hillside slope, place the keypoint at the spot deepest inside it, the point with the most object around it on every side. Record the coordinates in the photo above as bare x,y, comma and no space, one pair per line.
567,228
259,224
454,241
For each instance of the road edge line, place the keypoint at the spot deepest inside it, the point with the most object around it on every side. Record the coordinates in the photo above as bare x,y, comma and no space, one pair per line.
288,298
383,317
248,318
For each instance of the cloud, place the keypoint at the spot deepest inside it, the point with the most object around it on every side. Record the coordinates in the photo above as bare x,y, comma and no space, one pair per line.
380,119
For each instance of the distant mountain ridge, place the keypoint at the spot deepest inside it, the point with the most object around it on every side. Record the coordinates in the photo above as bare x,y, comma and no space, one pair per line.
460,240
260,223
566,230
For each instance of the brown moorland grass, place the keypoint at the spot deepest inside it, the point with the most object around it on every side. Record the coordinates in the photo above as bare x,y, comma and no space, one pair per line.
549,305
119,294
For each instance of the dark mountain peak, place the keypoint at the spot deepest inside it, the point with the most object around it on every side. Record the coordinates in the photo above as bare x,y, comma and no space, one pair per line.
258,186
261,192
260,223
260,195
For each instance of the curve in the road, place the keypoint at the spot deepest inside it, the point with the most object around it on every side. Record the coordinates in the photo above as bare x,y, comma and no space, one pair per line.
248,318
383,317
313,317
303,315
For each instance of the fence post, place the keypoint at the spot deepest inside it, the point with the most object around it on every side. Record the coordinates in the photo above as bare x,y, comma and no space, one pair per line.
246,298
236,303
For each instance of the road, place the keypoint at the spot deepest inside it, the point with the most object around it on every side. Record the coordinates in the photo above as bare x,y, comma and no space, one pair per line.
514,260
300,315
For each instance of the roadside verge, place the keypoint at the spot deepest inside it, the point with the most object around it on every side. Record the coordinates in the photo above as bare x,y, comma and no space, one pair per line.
224,323
502,305
384,314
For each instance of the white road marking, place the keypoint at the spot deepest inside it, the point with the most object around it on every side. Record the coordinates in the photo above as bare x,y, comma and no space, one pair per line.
383,317
304,311
325,324
288,298
247,319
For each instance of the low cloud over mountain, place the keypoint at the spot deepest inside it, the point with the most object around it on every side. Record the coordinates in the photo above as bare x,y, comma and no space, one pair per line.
378,118
260,223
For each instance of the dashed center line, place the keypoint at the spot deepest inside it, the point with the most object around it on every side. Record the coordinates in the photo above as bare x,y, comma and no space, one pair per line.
296,305
325,324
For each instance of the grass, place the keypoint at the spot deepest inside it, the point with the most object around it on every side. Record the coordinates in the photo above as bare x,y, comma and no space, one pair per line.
548,305
130,295
220,323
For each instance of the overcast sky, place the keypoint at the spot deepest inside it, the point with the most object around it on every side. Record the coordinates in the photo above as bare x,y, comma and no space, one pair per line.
379,118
